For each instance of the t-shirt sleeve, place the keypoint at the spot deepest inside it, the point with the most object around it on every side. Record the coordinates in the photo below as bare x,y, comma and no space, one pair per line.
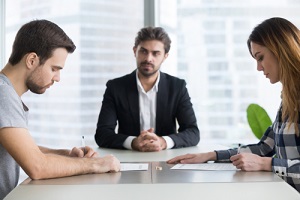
12,112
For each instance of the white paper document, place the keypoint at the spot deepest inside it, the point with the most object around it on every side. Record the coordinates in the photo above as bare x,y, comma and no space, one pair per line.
134,166
207,166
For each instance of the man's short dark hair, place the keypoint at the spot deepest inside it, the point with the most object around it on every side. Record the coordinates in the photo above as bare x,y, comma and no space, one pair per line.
41,37
153,33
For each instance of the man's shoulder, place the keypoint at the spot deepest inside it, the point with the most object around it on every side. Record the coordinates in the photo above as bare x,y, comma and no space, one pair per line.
4,80
122,79
6,90
171,78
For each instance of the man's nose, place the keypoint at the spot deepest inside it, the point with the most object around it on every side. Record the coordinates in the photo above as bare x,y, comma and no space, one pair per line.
56,77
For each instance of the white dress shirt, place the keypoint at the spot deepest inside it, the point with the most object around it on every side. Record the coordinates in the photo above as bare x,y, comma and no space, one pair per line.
147,108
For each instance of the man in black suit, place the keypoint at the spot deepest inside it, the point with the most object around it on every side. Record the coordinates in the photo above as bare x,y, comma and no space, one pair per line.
147,103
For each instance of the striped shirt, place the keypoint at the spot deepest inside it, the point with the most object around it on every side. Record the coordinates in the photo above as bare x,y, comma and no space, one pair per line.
281,143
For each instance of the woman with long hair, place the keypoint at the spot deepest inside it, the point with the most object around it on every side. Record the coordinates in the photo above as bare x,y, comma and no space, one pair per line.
275,45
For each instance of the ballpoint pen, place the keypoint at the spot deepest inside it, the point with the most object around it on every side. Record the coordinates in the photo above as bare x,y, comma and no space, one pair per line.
83,145
239,148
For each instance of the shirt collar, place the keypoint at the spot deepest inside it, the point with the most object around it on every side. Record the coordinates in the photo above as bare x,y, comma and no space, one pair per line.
140,87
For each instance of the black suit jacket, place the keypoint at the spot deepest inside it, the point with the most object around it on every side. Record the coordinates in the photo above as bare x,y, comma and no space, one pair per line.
121,104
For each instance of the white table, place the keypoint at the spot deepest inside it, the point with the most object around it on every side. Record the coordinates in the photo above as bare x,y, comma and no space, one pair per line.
136,156
159,185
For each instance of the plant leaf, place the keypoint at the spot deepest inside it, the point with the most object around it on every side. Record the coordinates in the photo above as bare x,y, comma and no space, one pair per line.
258,120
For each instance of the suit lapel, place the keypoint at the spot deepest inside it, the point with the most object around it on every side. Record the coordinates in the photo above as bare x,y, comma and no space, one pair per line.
133,100
162,101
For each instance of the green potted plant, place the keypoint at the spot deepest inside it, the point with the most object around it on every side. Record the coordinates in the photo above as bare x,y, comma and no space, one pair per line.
258,119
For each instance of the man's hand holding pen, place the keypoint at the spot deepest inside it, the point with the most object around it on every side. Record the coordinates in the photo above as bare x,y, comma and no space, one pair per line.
81,152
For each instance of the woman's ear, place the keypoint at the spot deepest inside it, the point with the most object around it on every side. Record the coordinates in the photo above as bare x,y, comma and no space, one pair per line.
32,60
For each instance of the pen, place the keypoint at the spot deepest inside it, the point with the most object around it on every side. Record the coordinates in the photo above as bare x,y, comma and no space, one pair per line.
239,149
83,144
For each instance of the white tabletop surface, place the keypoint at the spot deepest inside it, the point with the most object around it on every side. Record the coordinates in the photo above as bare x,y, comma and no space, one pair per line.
152,185
136,156
191,191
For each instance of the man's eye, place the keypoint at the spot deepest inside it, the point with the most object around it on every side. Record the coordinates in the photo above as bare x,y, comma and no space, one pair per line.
156,53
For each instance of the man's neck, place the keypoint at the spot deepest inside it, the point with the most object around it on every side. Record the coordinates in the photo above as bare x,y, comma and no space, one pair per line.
148,82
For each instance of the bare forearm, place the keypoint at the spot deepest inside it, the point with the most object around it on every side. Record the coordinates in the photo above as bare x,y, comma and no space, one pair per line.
54,166
63,152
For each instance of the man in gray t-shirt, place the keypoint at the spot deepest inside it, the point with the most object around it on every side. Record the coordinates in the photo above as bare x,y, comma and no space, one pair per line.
39,53
13,114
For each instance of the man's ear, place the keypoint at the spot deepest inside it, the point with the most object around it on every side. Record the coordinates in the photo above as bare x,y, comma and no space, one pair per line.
165,56
32,60
134,51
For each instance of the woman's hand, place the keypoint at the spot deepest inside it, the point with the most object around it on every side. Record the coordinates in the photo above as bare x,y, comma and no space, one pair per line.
193,158
251,162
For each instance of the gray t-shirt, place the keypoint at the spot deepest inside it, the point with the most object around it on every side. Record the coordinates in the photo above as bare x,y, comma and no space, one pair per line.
13,113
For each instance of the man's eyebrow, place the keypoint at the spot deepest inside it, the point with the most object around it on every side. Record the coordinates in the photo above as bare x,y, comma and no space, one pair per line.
57,67
155,51
142,48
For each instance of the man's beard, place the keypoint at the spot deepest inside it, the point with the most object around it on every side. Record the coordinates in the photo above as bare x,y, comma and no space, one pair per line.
145,73
35,88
